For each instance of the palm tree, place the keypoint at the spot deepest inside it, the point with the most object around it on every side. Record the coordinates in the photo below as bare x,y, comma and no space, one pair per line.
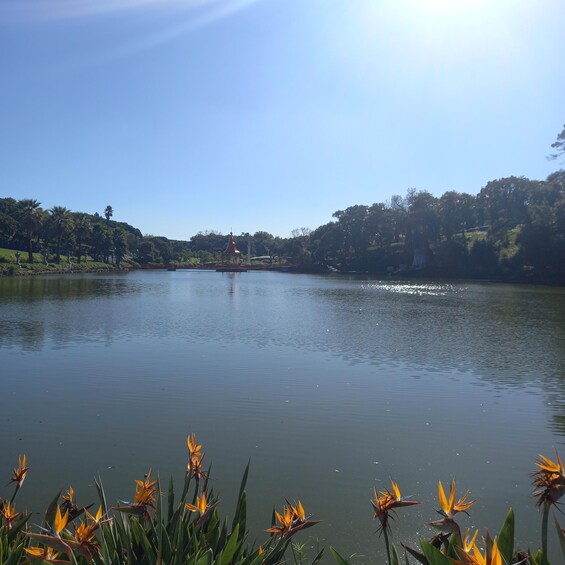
62,222
83,228
108,213
29,221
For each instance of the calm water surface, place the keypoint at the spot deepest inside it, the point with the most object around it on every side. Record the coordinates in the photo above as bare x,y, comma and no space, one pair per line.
331,385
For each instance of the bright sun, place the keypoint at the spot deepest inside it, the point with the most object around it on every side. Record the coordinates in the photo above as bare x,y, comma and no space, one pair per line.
437,4
450,5
427,31
446,4
449,12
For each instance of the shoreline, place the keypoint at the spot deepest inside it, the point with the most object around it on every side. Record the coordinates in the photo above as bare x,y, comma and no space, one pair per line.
24,272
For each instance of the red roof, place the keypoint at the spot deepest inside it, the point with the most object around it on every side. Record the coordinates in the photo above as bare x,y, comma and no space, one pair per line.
231,248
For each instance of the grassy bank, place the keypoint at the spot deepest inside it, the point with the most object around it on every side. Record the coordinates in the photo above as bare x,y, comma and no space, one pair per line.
9,264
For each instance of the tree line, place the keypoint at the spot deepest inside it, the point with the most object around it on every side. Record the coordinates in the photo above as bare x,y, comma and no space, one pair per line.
25,226
514,228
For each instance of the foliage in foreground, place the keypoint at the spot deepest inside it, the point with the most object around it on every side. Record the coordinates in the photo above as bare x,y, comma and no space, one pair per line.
159,528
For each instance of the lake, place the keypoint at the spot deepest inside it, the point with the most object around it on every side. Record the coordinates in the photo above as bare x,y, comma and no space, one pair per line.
331,385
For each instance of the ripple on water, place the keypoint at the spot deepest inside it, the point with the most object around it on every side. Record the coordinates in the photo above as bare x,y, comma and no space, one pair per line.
421,289
332,386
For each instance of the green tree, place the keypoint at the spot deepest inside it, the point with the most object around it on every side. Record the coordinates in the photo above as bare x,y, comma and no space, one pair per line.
146,251
456,212
83,229
398,215
163,247
30,222
209,242
423,225
503,203
483,259
542,238
61,220
296,247
379,225
352,221
557,179
108,213
263,243
559,145
8,220
327,243
120,245
101,241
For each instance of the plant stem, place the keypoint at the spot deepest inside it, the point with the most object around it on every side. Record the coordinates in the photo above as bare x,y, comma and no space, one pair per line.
385,532
544,521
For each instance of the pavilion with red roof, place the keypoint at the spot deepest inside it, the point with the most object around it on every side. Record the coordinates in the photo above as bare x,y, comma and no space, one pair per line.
232,255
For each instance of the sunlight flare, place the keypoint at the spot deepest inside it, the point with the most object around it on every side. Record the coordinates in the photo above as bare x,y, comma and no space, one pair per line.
55,10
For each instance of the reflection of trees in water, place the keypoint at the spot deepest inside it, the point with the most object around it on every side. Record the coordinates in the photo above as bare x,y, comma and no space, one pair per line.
68,309
504,334
512,337
61,329
30,336
557,423
65,287
556,405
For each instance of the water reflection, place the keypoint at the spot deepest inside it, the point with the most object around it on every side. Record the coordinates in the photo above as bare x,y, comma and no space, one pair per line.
66,287
25,334
509,335
232,279
416,381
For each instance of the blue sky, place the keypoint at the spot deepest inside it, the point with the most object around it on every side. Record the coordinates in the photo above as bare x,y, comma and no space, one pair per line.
272,114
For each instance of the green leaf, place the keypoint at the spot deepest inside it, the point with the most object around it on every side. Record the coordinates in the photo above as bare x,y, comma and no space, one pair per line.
221,542
240,516
318,557
232,547
101,493
416,554
506,537
206,559
51,511
394,556
15,555
143,540
560,536
16,529
339,557
451,546
185,489
170,500
167,551
277,553
434,555
159,526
